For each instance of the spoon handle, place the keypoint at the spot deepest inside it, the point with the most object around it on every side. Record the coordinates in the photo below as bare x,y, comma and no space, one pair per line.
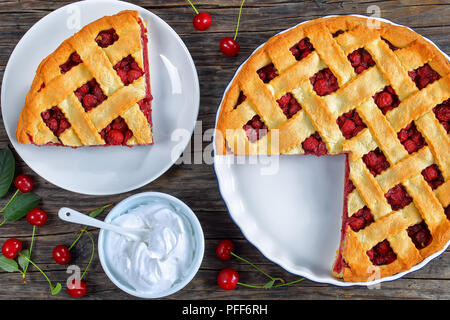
74,216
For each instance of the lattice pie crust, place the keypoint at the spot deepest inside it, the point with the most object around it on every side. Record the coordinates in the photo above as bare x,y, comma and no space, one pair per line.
381,96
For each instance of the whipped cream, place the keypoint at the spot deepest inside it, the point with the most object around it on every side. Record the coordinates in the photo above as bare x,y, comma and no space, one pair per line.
153,265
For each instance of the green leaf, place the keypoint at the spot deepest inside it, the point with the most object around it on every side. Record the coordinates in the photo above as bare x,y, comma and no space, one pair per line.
7,168
95,213
20,206
269,284
56,289
23,263
9,265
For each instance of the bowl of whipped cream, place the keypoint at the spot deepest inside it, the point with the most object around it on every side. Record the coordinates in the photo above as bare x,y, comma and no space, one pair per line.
163,262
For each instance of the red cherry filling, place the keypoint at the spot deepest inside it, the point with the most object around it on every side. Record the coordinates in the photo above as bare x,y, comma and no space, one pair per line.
301,49
411,138
349,186
442,112
11,248
375,161
314,145
350,124
447,212
90,95
398,197
128,70
361,219
227,279
339,32
324,82
360,60
241,99
289,105
420,235
106,38
74,59
386,99
423,76
382,254
433,176
229,46
255,129
202,21
267,73
145,104
55,120
117,132
391,46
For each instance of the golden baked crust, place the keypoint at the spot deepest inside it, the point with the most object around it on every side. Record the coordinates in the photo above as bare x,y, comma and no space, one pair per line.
320,114
51,87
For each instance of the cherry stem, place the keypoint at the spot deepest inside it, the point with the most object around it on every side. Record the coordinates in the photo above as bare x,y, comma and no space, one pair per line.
256,267
239,19
7,204
193,7
275,286
35,265
31,248
92,254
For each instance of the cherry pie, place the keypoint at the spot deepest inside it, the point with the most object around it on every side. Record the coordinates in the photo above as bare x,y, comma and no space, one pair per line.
380,96
94,89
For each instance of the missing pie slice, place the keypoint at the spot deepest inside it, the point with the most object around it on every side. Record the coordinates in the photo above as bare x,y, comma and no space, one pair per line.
379,95
94,89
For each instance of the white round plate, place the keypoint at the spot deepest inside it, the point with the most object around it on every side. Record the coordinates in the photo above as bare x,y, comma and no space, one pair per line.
290,209
111,170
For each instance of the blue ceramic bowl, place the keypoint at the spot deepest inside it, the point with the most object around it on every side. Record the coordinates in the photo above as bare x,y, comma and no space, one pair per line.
192,225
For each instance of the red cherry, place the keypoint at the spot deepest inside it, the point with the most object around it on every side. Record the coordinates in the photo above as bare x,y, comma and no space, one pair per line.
229,46
123,74
24,183
119,124
384,100
224,249
75,58
76,289
202,21
37,217
11,248
61,254
227,279
430,173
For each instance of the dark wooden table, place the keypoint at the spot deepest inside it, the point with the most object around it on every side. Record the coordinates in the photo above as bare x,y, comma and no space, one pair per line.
197,184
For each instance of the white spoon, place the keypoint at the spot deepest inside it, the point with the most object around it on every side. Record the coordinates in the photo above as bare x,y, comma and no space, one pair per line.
74,216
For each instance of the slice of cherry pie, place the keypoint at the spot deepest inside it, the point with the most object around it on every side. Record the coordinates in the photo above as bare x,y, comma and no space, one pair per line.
379,95
94,89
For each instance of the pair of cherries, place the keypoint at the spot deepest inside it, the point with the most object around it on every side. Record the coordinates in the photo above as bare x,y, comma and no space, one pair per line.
229,46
